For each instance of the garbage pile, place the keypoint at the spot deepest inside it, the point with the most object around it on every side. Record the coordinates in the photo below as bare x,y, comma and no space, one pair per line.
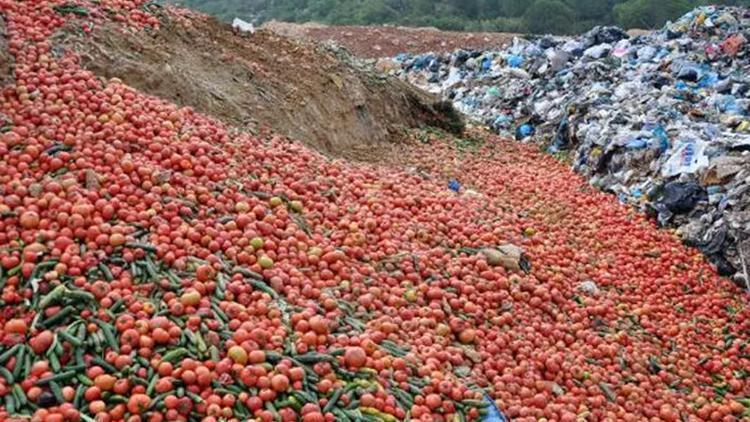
659,119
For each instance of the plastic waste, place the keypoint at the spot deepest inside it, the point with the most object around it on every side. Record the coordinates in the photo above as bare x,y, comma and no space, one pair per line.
509,256
637,144
721,169
557,59
662,138
515,61
460,57
423,61
597,51
672,105
454,185
681,197
493,91
605,35
733,44
562,137
690,72
493,413
486,63
621,49
500,123
243,26
676,198
688,157
589,287
646,53
524,131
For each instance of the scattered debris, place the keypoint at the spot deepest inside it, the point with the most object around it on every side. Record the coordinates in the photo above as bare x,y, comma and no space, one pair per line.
589,287
639,114
243,26
511,257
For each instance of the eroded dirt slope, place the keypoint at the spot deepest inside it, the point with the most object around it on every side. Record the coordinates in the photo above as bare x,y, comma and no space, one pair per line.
6,59
303,90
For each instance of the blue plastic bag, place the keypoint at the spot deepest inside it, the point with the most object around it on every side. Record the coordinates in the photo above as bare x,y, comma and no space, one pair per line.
422,62
501,122
728,104
515,61
493,413
661,135
637,144
562,138
454,185
708,80
486,63
524,131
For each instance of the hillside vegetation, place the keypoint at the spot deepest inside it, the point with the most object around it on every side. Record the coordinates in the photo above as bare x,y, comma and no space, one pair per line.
537,16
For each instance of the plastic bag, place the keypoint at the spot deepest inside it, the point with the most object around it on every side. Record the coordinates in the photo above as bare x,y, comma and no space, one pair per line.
493,413
515,61
243,26
562,137
676,198
688,157
598,51
524,131
733,44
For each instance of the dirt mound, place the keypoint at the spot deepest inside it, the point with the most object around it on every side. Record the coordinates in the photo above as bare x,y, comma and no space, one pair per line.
6,59
388,41
300,89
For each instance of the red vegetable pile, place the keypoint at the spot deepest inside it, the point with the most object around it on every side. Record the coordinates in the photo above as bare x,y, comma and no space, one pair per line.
157,266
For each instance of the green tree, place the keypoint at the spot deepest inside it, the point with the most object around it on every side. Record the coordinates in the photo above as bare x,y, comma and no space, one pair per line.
319,10
376,11
468,8
513,8
549,16
599,10
538,16
420,7
489,8
649,13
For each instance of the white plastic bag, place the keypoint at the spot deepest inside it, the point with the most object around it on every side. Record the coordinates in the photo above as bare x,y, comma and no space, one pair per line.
688,157
243,26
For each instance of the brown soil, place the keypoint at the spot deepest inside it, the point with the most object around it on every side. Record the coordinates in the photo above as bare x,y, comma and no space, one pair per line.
6,59
299,89
389,41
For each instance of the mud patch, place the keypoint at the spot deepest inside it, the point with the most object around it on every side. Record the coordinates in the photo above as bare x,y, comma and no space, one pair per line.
7,61
300,89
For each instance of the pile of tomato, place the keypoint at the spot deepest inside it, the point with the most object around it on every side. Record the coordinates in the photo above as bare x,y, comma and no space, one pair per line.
155,265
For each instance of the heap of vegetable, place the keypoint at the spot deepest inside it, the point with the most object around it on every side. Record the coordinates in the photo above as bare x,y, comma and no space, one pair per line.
156,266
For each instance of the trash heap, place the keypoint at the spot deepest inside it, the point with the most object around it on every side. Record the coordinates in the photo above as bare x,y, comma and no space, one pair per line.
659,119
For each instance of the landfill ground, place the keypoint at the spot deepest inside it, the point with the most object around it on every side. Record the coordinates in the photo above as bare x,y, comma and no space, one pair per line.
371,42
162,260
